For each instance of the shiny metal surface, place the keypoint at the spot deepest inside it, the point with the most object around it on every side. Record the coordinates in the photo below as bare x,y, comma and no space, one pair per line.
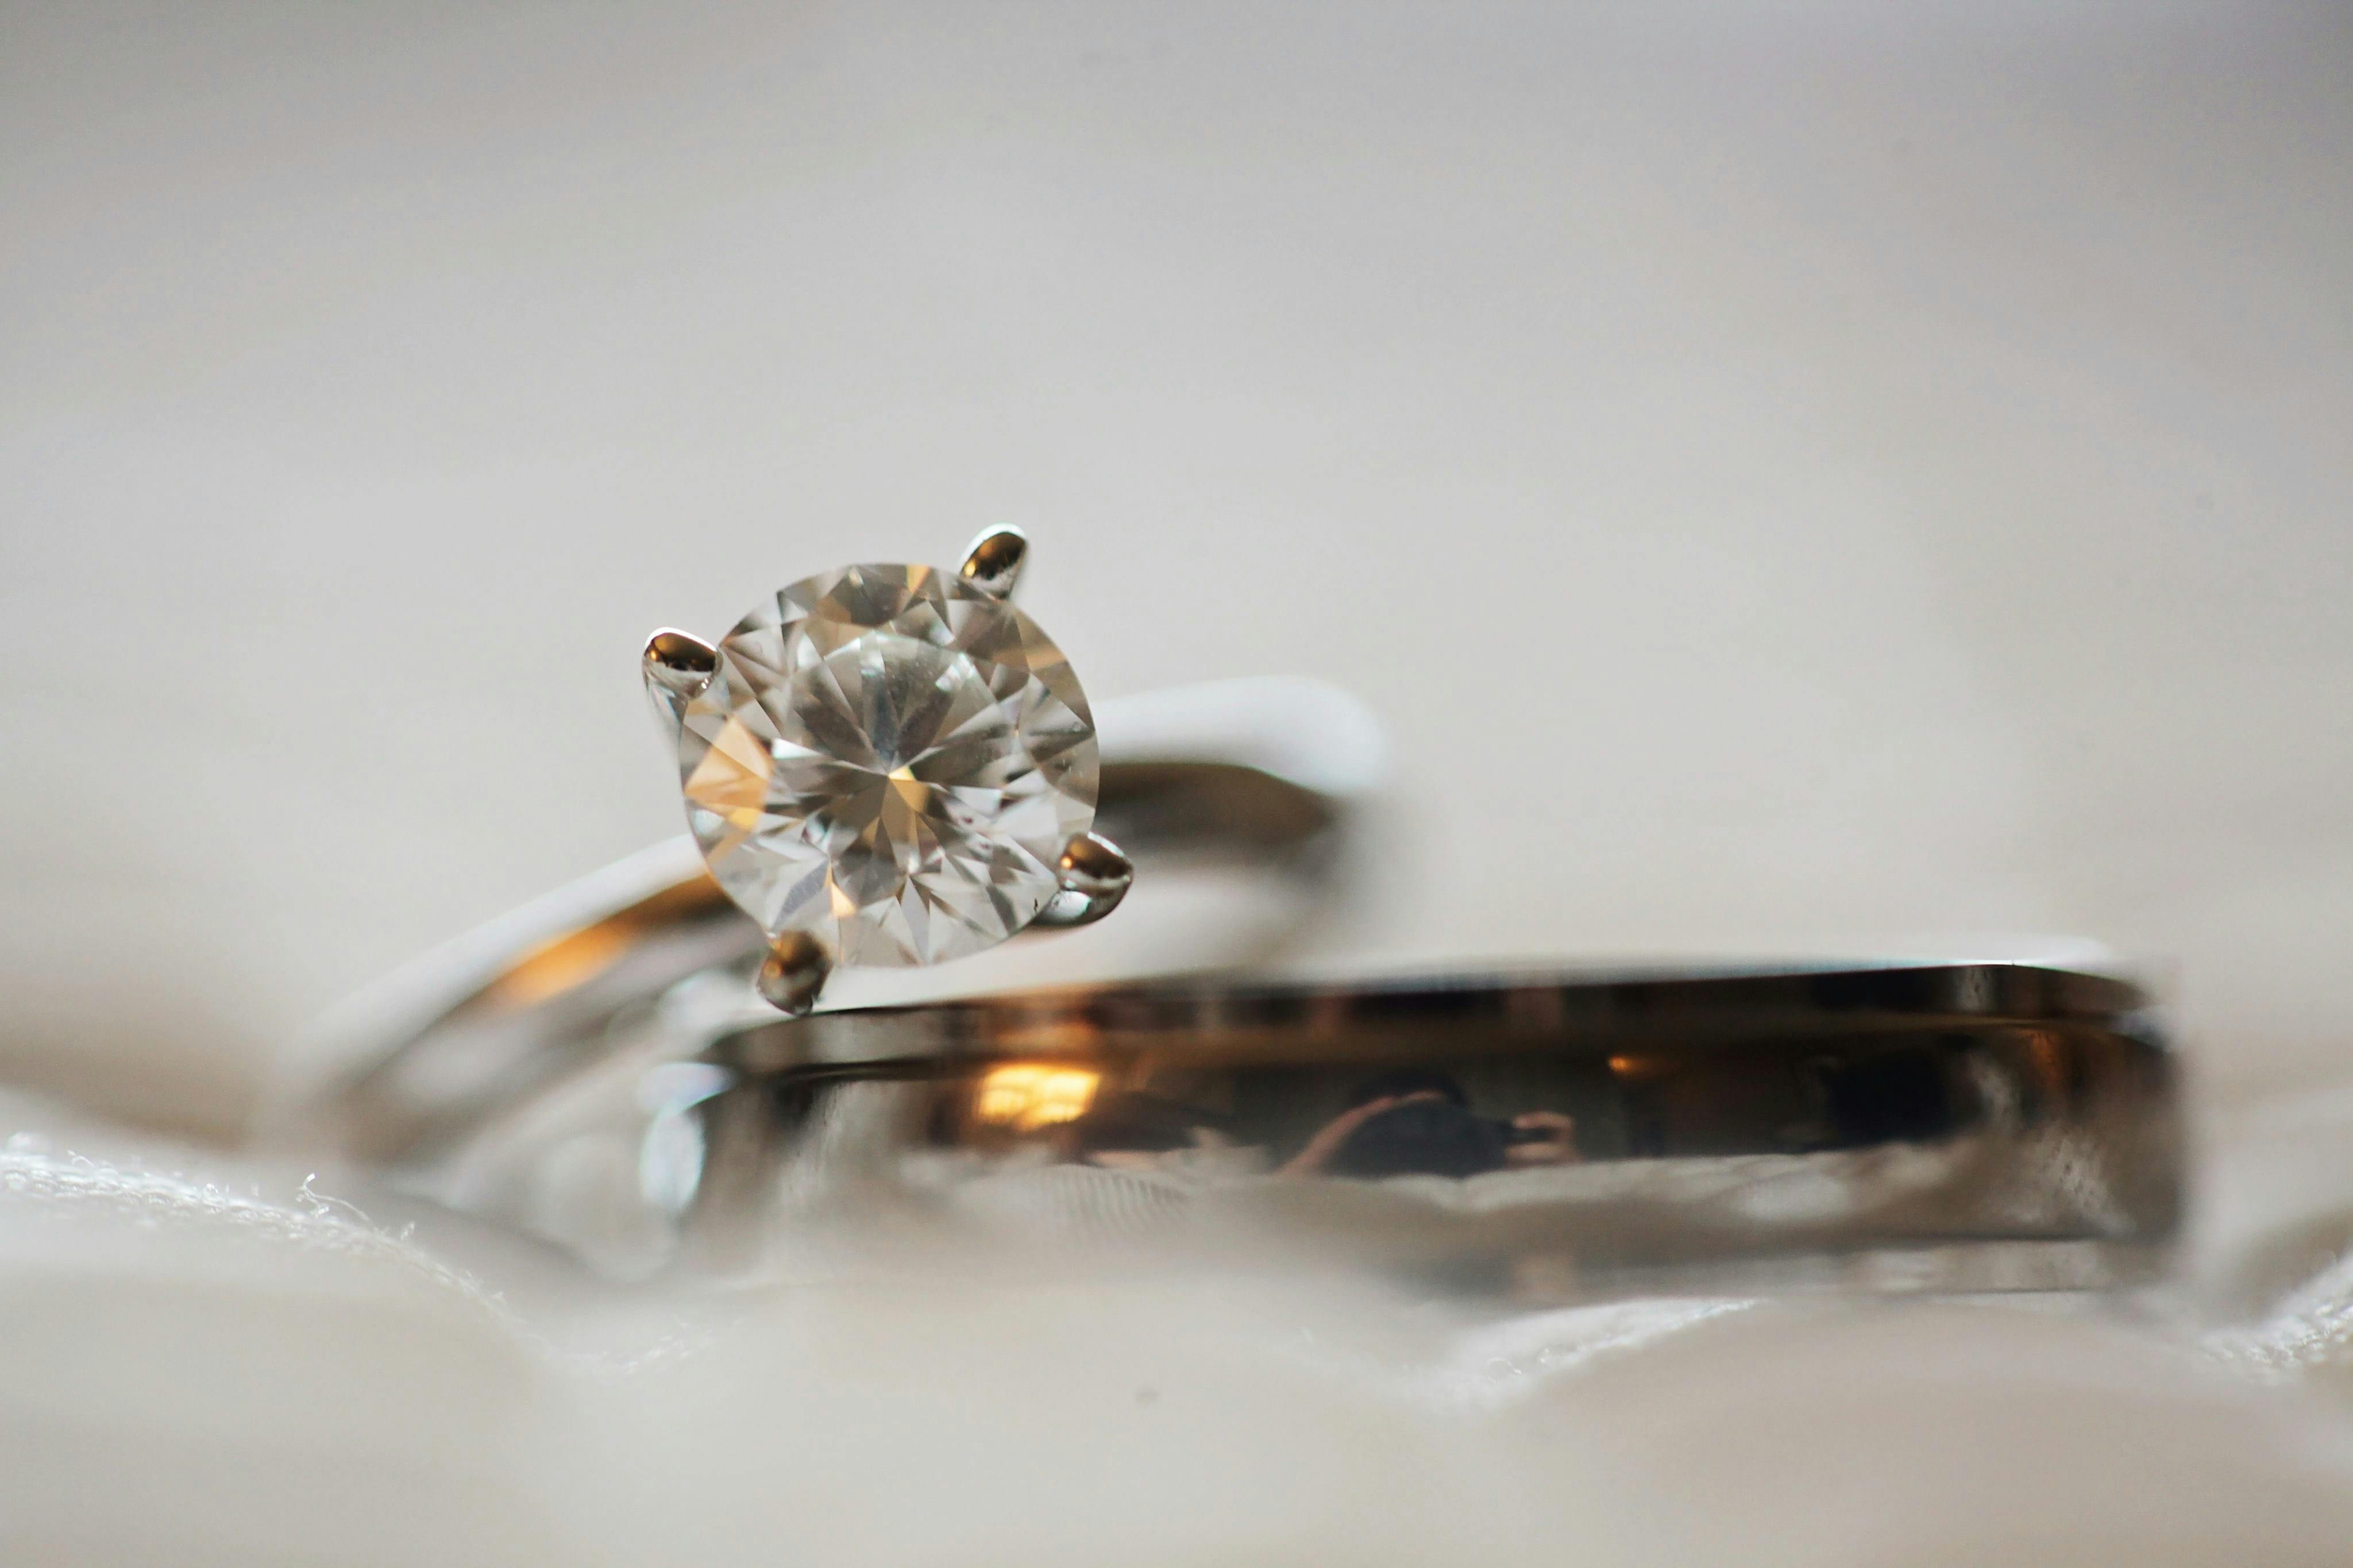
676,664
792,974
1095,876
993,562
1249,775
1967,1127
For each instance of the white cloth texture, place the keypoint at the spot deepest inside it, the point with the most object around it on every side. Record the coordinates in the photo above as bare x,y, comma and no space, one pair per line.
214,1362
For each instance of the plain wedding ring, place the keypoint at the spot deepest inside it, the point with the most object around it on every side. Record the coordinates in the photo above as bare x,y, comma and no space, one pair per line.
1943,1126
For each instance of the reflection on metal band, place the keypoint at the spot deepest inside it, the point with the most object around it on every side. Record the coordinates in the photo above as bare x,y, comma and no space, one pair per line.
1952,1127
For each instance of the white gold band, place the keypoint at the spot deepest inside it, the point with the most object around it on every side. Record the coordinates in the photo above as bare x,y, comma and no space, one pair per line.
1955,1127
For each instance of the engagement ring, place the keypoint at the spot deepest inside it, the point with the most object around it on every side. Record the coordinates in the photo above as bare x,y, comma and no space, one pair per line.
884,768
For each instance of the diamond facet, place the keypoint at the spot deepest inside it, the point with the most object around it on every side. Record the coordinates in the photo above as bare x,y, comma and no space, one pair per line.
890,759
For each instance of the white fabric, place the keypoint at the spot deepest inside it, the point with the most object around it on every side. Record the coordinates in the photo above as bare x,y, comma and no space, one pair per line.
209,1362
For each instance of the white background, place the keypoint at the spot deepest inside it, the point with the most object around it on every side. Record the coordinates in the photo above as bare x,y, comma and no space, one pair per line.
1804,476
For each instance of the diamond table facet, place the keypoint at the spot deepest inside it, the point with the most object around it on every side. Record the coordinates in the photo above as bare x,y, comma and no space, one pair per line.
890,759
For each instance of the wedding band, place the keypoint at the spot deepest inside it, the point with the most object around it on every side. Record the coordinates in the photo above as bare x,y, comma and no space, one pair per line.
1971,1127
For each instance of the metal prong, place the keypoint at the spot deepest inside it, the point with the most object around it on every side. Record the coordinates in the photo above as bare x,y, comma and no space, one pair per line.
676,666
794,971
1094,876
993,562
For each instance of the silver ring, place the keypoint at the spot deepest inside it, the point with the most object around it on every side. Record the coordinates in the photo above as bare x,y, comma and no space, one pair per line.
1947,1128
883,767
891,765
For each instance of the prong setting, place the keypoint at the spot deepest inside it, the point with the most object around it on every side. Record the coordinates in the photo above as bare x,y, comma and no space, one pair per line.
1094,877
963,771
794,972
676,664
993,562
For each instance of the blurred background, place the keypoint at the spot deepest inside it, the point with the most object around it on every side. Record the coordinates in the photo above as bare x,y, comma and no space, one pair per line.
1806,478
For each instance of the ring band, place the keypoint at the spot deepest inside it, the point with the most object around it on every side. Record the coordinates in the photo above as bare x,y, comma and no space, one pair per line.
1950,1128
1258,775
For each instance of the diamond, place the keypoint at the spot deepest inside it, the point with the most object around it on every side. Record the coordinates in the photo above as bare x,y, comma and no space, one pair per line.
889,759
